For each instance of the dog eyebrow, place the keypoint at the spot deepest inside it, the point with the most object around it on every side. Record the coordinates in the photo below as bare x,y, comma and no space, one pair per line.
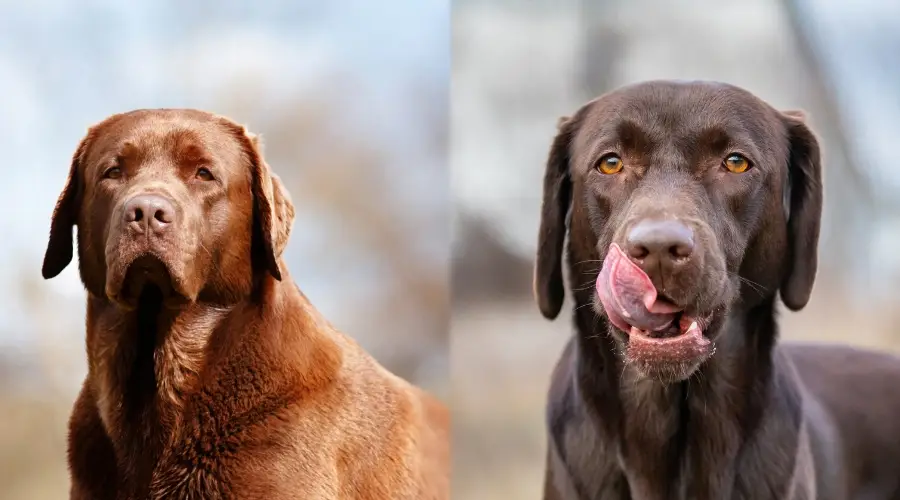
187,147
632,136
718,139
715,138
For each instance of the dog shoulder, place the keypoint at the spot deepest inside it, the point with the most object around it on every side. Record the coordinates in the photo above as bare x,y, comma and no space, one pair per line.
580,462
397,433
363,428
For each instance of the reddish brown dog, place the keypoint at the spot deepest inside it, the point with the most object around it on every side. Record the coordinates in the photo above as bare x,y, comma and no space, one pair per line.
210,375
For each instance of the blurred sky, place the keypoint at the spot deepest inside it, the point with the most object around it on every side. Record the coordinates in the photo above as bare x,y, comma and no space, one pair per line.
859,46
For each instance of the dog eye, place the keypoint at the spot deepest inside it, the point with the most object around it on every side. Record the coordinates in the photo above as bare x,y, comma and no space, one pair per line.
610,164
736,163
112,173
204,174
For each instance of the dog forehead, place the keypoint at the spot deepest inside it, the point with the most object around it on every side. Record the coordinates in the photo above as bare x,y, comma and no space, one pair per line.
182,134
667,108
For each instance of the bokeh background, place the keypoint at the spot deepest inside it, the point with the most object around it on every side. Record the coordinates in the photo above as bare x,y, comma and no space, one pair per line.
350,97
518,65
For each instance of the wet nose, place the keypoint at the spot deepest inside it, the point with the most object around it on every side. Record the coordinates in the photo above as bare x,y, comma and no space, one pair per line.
149,211
664,241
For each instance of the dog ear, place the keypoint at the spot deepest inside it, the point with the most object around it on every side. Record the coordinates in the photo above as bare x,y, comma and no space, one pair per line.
273,211
65,216
549,287
805,202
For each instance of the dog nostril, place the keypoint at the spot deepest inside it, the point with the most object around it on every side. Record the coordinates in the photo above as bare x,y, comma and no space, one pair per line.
162,215
137,215
682,249
638,251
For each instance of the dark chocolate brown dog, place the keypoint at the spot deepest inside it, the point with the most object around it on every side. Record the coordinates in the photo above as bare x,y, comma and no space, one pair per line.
209,373
690,207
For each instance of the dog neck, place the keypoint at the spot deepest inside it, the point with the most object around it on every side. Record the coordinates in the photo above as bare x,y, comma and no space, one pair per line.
146,360
148,366
674,420
154,371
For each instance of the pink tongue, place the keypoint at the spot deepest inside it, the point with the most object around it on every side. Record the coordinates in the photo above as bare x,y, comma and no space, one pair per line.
628,295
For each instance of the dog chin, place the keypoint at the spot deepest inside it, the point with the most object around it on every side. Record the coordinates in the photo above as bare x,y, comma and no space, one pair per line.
666,373
669,364
147,277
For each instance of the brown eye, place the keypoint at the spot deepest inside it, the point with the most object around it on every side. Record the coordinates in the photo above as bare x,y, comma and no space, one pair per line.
610,164
204,174
112,173
736,163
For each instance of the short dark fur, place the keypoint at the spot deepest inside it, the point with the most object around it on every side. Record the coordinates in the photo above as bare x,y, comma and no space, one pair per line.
756,419
210,375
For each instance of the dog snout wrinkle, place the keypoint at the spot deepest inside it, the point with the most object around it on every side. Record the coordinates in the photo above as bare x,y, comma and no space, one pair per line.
146,213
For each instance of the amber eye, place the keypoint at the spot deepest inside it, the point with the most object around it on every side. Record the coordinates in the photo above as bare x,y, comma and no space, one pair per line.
736,163
112,173
610,164
204,174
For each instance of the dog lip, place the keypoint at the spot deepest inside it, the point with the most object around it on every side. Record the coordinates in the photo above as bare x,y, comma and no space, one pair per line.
148,269
689,344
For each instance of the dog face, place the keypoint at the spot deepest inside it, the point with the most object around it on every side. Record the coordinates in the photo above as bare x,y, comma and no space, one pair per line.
698,197
179,202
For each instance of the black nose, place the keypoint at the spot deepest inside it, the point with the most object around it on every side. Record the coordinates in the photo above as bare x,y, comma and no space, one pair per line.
149,211
668,241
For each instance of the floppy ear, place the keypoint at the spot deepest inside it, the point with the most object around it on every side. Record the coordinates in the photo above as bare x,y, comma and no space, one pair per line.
549,288
805,185
65,216
273,211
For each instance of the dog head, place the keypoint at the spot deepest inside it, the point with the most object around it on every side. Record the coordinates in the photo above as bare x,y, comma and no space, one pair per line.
697,197
179,203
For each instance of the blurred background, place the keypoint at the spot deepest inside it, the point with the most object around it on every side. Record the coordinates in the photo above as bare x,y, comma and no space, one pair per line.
350,97
519,65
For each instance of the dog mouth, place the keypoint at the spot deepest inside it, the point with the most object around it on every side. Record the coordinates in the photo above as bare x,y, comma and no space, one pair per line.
148,277
682,341
659,332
